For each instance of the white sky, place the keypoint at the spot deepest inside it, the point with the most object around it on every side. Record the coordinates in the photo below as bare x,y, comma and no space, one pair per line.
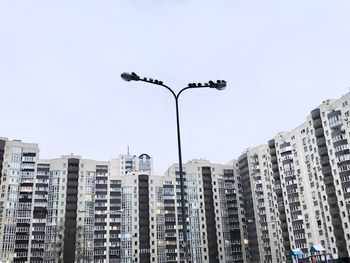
60,66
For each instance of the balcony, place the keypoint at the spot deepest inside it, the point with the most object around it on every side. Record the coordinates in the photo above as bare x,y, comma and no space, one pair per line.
296,218
336,124
315,114
319,132
324,160
293,191
261,205
286,149
273,151
260,197
169,197
291,182
287,157
275,168
298,237
317,123
257,175
293,200
343,158
277,186
322,151
289,173
28,165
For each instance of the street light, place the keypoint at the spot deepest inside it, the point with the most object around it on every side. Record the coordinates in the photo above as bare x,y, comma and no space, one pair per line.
219,85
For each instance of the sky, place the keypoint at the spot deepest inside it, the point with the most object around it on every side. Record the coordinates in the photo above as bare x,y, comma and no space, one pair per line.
60,66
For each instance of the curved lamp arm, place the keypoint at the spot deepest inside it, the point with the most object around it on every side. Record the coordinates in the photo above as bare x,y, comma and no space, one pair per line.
219,85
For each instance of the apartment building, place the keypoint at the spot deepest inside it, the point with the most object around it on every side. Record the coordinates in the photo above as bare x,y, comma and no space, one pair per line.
279,200
17,183
291,193
331,134
98,209
215,211
303,207
312,161
71,209
262,222
63,209
308,170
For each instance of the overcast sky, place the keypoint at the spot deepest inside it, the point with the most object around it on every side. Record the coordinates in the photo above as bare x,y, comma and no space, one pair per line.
60,66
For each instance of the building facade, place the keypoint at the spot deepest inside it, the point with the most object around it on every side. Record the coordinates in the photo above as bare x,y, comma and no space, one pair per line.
16,206
215,211
262,222
71,209
291,193
303,179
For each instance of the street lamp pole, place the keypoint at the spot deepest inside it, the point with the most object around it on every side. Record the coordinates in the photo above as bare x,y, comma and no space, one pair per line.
219,85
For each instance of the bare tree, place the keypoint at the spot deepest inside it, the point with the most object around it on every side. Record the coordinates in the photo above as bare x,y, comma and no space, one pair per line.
54,249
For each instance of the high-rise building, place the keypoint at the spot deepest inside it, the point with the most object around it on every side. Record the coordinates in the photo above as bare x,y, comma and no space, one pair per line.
72,209
303,179
215,211
260,206
291,193
331,126
69,208
16,206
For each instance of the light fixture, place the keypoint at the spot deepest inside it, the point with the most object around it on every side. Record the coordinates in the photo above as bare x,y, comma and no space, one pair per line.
129,77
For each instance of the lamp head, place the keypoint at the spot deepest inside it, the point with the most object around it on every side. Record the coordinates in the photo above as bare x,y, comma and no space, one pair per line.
219,85
129,77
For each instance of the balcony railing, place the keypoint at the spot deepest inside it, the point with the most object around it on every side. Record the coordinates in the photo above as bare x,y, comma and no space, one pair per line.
335,124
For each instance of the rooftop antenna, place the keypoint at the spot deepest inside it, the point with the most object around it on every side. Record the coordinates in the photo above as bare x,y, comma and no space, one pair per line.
128,151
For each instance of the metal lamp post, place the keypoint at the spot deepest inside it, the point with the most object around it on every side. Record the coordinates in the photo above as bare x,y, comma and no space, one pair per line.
219,85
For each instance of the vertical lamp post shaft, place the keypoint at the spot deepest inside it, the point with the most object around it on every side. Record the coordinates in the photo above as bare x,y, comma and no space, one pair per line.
219,85
182,185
